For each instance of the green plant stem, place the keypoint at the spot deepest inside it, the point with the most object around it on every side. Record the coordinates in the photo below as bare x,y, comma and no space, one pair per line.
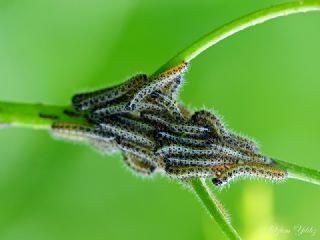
237,25
300,173
37,116
204,194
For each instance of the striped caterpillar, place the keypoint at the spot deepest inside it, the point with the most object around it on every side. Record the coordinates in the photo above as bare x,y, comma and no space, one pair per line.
89,100
157,83
142,119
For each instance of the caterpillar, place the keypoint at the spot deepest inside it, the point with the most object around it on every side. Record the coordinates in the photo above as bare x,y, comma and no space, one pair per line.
120,108
134,123
171,89
79,132
145,154
89,100
227,173
138,165
214,149
176,127
157,83
219,131
168,104
120,132
200,161
170,138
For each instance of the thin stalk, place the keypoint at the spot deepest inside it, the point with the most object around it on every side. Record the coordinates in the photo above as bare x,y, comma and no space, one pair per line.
229,29
215,212
38,116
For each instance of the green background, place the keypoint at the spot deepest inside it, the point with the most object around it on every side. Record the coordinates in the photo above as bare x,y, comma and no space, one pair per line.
264,81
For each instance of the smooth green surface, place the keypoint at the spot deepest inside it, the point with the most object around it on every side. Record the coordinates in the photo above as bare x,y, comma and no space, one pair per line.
215,211
264,81
39,116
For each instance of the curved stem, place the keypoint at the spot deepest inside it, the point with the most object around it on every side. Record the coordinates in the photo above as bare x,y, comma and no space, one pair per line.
213,208
235,26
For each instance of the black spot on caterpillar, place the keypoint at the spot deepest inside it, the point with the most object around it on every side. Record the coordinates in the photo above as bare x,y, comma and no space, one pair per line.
173,139
157,83
167,103
86,101
80,133
138,165
219,131
226,173
121,132
142,152
134,123
167,124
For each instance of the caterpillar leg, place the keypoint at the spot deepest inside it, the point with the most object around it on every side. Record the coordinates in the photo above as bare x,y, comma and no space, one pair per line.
137,165
89,100
157,83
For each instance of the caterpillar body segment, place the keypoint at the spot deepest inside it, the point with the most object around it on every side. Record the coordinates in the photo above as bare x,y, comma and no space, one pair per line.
143,153
180,140
228,173
86,101
199,161
120,132
167,103
182,128
134,123
172,89
121,108
219,131
157,83
79,133
138,165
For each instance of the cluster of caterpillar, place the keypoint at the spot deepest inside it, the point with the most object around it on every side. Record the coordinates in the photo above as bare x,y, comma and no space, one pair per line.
141,118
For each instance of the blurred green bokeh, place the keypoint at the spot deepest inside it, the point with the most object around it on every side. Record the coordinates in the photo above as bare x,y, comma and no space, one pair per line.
264,81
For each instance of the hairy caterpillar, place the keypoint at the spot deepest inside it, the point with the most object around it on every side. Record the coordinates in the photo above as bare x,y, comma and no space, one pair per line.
227,173
134,123
122,133
218,129
168,104
85,101
79,132
181,128
157,83
120,108
170,138
142,119
145,154
138,165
